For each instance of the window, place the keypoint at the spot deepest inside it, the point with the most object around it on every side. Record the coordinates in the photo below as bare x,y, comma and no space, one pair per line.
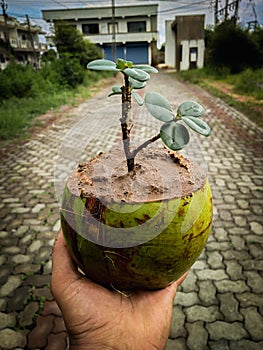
137,27
91,28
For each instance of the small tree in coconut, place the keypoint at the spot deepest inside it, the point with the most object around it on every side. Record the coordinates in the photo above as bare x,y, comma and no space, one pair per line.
125,240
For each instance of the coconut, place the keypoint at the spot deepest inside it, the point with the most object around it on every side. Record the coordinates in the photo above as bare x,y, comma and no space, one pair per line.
141,229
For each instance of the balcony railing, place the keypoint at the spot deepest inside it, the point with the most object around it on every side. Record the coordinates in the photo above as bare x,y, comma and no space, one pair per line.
27,44
122,37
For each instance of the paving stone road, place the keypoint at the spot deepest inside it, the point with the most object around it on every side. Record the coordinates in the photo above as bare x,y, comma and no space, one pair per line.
220,304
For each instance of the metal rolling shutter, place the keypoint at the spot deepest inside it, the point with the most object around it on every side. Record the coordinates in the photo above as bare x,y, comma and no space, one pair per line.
137,52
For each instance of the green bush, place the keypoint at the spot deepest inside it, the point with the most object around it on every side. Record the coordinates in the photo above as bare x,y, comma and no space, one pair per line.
233,47
250,82
17,80
69,71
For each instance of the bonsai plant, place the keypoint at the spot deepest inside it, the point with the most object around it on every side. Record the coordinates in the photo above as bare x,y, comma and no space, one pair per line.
139,217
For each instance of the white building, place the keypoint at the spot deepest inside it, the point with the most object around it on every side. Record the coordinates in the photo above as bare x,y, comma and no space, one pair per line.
20,41
185,45
130,32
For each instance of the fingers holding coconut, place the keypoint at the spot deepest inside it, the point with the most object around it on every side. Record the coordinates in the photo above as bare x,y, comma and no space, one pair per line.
62,263
172,288
64,271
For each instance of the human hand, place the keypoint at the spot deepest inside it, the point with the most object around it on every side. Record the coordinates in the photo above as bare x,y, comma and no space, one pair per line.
98,318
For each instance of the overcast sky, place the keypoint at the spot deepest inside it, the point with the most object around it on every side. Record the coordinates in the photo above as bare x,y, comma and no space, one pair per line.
167,9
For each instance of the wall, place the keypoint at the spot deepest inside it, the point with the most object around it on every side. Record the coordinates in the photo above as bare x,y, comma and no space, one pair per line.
186,61
169,45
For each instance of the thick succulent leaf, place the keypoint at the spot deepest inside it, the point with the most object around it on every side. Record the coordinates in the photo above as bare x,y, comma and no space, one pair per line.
102,64
116,90
135,84
138,98
158,106
190,108
197,125
137,74
174,135
146,68
122,64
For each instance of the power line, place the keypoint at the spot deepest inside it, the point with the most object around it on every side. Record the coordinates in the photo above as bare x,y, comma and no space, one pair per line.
179,6
186,5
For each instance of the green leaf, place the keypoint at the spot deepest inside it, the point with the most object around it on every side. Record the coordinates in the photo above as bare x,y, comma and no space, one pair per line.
137,74
197,125
174,135
190,108
159,107
135,84
102,64
121,64
129,64
146,68
138,98
116,90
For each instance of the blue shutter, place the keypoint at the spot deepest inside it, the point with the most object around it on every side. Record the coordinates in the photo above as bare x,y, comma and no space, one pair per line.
137,52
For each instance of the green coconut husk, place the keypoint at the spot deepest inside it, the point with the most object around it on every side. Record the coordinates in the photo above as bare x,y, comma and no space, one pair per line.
133,242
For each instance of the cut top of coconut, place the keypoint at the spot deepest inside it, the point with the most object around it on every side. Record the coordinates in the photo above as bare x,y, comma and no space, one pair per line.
158,175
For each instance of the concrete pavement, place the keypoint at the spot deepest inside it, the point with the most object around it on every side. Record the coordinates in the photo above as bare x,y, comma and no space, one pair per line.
220,304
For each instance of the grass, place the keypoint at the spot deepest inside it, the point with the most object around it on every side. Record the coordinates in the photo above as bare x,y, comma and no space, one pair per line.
243,91
18,115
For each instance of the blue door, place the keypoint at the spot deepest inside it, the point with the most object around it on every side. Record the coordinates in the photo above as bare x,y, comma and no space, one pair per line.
137,52
108,52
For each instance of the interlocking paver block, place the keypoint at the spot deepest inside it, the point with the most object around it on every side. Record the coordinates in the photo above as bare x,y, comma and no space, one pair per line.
11,339
224,286
198,336
178,323
226,330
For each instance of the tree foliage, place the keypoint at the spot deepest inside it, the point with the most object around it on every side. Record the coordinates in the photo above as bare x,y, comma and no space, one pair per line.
233,47
71,42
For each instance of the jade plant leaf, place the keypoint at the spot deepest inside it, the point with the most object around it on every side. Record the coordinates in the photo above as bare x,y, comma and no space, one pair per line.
197,125
146,68
159,107
137,74
137,98
174,135
116,90
135,84
191,108
102,64
122,64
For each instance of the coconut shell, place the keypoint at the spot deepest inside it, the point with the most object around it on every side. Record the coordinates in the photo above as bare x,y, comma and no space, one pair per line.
140,230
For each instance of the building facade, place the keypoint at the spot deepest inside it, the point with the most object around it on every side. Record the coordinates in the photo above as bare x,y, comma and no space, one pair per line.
128,32
185,45
20,41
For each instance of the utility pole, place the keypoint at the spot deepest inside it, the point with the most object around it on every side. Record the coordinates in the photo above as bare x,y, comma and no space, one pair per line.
252,2
216,12
226,10
232,6
31,40
236,11
6,33
113,21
